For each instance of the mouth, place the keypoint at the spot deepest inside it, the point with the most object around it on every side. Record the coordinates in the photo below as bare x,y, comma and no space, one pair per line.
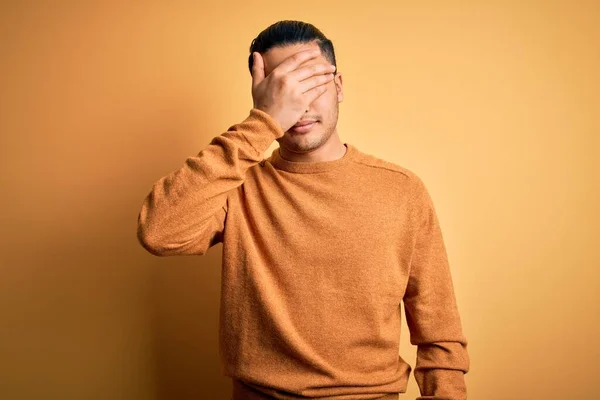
303,128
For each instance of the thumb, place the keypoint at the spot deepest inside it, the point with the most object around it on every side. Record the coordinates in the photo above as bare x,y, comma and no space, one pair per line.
258,72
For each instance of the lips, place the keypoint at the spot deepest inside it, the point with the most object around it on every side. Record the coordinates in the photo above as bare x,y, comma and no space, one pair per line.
303,126
305,122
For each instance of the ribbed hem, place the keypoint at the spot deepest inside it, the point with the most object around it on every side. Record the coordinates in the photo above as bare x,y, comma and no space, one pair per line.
242,391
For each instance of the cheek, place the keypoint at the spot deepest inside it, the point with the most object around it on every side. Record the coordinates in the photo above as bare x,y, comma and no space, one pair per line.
324,101
327,104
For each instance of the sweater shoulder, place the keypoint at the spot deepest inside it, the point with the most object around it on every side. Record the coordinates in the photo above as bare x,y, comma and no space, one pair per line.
373,161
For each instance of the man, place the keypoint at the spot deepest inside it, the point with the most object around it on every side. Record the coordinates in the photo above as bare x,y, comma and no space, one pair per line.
321,243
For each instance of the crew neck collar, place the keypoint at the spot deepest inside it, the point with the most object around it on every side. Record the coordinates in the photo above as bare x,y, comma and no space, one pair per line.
312,167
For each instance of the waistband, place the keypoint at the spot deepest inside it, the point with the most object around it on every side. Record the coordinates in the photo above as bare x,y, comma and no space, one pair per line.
241,391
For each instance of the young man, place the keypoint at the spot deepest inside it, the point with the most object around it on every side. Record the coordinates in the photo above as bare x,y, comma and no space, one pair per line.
321,243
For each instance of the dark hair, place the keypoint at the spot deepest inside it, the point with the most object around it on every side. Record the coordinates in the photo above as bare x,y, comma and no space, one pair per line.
289,32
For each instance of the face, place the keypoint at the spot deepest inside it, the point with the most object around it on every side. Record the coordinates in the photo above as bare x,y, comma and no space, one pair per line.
324,108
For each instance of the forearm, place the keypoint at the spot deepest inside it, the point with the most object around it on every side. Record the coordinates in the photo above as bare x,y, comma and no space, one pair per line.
431,310
186,208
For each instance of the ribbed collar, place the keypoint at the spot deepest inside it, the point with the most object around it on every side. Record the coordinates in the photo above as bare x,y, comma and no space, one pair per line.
312,167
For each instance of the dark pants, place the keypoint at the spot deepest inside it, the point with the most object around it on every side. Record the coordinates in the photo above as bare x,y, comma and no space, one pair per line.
242,391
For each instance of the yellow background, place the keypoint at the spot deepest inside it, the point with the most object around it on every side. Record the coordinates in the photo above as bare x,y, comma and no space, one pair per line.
494,104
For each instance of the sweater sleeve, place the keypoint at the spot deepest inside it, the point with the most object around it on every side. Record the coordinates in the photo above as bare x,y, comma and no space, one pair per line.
185,211
431,311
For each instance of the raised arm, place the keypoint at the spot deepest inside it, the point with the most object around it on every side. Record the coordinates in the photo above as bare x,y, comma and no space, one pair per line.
432,313
185,211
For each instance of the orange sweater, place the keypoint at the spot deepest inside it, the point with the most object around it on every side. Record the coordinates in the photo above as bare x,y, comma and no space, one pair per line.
317,258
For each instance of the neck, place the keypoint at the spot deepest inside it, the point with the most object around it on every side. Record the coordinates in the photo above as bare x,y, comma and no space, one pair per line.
331,150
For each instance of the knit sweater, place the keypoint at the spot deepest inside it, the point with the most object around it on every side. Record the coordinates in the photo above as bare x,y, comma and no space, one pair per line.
316,260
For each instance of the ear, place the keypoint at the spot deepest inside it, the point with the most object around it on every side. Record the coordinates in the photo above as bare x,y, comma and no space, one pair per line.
338,86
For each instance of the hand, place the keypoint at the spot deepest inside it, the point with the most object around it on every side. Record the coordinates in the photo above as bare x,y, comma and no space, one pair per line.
288,90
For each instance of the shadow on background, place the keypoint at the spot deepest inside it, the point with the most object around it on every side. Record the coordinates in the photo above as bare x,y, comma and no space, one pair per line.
185,294
86,311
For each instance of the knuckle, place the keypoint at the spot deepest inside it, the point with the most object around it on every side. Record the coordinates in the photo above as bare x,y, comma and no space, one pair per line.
297,57
284,80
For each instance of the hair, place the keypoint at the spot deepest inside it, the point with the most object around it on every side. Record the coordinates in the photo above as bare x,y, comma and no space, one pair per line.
289,32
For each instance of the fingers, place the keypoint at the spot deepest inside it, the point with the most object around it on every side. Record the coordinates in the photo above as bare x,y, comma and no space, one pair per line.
315,92
318,80
258,69
292,62
307,71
